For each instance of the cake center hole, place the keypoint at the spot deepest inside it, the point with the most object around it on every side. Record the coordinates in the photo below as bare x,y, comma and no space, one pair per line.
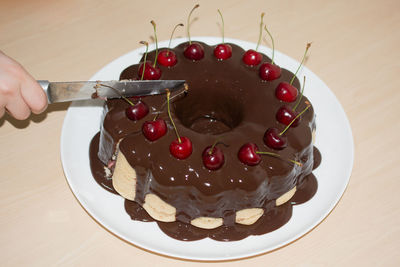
209,113
209,125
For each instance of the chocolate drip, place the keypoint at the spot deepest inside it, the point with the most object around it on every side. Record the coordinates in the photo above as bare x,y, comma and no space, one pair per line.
183,230
226,100
97,166
317,158
136,212
270,221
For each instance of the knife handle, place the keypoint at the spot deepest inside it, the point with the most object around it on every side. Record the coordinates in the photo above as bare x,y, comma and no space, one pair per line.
45,85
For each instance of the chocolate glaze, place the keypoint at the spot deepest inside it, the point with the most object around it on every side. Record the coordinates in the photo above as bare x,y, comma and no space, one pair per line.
97,166
270,221
274,218
226,100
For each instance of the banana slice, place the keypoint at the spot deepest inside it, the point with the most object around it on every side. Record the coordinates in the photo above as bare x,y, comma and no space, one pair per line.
248,216
124,178
285,197
158,209
207,222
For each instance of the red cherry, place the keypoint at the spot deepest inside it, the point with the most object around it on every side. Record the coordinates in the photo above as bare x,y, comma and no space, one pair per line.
252,58
273,139
286,115
223,51
182,149
167,58
286,92
194,51
213,158
137,111
247,154
154,130
269,71
150,72
250,155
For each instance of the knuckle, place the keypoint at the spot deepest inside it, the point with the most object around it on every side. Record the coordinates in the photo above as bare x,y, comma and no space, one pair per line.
6,90
8,87
15,69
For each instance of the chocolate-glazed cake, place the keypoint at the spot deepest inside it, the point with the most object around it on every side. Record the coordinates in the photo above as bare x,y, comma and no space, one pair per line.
228,101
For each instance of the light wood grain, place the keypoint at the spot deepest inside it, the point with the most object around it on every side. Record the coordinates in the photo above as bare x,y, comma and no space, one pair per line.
355,51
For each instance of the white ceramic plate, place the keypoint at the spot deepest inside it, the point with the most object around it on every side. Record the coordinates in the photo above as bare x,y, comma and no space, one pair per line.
334,140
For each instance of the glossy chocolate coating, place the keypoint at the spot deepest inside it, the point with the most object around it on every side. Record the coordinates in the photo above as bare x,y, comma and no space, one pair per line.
228,101
274,217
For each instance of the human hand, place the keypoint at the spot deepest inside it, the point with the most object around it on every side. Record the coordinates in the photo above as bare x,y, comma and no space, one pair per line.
20,94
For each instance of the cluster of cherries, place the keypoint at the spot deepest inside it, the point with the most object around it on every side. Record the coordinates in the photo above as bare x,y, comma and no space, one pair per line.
249,153
213,157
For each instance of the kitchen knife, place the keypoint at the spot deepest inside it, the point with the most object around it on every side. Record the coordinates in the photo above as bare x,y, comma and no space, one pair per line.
71,91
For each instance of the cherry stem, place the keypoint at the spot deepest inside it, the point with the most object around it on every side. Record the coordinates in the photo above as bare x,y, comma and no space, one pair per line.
156,116
170,117
301,63
277,156
155,37
188,22
273,44
145,57
261,28
223,27
295,118
185,90
301,94
172,34
118,92
213,145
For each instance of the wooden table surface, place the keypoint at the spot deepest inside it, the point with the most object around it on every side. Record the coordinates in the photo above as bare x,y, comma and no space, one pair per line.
355,51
